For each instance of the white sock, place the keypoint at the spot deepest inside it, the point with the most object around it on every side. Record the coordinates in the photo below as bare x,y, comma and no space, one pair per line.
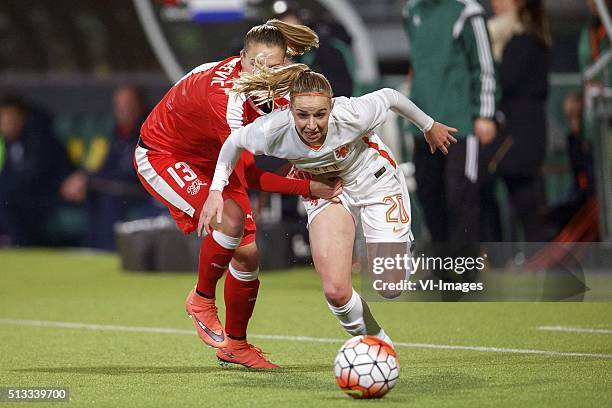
355,317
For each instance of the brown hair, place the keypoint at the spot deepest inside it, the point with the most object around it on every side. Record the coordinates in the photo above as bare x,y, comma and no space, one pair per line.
267,84
534,19
294,39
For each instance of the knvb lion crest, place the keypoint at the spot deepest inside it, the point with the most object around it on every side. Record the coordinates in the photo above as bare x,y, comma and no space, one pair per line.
194,188
342,152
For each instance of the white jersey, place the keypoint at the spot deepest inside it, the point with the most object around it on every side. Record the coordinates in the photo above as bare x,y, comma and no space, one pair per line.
351,148
351,151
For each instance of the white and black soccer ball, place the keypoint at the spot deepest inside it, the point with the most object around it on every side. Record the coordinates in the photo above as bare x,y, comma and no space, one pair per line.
366,367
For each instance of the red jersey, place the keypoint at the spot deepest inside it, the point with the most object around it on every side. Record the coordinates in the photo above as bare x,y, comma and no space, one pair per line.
198,113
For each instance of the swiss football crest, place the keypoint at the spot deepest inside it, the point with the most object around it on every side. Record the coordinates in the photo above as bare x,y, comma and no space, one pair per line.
342,152
194,188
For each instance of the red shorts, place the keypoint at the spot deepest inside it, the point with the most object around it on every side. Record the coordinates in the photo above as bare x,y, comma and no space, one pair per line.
183,188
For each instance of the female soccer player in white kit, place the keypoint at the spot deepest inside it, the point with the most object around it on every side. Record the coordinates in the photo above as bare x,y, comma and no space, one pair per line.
324,136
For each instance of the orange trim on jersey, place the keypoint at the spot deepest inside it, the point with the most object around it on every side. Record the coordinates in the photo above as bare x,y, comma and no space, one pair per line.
314,147
380,151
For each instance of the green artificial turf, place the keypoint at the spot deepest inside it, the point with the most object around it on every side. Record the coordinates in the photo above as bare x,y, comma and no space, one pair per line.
138,369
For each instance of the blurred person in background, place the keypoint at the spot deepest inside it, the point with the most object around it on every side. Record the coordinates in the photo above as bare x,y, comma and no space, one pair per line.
521,39
454,81
113,193
33,164
573,206
334,57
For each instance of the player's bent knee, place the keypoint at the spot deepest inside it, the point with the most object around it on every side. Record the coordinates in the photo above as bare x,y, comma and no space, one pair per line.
233,219
337,295
246,258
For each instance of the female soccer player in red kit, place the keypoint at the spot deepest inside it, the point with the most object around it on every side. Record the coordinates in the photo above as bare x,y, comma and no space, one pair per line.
175,160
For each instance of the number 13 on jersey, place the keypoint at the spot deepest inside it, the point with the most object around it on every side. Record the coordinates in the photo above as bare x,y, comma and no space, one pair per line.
187,174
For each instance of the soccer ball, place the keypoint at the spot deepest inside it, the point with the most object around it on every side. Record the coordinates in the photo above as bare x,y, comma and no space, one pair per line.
366,367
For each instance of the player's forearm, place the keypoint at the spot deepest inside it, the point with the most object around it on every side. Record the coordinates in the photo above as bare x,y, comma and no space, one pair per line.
228,156
256,178
406,108
273,183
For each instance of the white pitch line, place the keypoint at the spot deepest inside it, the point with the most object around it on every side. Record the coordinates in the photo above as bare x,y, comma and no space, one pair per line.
89,326
137,329
575,329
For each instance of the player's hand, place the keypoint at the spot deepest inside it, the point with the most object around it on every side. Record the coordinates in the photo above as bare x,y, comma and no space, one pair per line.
326,187
485,130
212,209
439,137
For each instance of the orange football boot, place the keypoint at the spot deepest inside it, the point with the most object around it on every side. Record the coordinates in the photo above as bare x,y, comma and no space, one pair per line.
205,319
243,353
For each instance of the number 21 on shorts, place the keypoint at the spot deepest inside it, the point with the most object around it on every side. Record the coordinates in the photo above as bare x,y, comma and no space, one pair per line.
397,203
187,174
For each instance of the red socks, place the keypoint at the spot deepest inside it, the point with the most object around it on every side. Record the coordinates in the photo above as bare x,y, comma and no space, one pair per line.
240,297
240,287
214,260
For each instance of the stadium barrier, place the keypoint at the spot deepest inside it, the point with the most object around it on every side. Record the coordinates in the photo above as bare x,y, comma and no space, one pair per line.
157,245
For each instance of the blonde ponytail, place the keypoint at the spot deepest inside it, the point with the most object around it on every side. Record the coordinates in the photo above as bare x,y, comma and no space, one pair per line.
267,84
299,37
292,38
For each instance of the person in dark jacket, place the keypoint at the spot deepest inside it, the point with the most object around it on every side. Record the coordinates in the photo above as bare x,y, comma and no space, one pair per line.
580,156
520,40
33,163
113,193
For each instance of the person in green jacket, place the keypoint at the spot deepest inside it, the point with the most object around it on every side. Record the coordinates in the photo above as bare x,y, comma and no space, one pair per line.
454,79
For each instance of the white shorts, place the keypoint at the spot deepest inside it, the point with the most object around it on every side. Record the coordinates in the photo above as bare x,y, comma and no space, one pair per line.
384,208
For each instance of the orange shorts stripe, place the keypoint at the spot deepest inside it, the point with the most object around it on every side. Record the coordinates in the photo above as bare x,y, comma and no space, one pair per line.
382,152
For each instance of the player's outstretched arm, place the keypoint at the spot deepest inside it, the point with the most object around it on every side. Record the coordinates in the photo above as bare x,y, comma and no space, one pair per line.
436,134
228,157
213,207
